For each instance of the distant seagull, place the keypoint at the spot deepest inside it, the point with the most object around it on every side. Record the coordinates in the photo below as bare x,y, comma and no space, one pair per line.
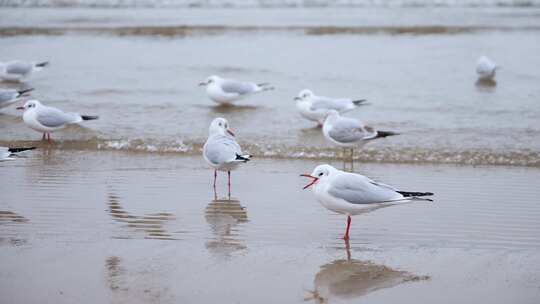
19,71
351,193
316,108
485,68
349,133
9,153
11,96
222,151
48,119
226,91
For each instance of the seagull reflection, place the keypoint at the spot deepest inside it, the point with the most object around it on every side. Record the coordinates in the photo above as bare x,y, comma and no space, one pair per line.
9,218
350,278
224,216
152,224
485,84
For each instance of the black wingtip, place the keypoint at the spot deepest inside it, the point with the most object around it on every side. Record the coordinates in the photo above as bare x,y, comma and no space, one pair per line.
359,102
381,134
24,91
42,64
16,150
88,117
244,158
415,194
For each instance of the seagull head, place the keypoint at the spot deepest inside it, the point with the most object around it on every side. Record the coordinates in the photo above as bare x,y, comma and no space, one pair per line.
209,80
220,126
303,95
30,104
320,173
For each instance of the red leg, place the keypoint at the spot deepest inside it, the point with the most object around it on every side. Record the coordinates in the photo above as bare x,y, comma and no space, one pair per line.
215,177
346,236
43,137
49,137
229,183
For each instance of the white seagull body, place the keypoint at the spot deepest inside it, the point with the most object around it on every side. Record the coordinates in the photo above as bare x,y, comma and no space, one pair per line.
486,69
350,194
349,133
316,108
221,151
226,91
46,119
11,96
9,153
19,71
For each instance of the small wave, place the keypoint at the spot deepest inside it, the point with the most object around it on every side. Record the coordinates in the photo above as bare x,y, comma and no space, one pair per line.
523,157
201,30
267,3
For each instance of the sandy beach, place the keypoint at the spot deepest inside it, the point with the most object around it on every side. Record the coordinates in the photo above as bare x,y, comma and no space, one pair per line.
117,227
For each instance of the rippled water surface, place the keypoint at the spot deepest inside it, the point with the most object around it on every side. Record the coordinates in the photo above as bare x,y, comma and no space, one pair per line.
139,69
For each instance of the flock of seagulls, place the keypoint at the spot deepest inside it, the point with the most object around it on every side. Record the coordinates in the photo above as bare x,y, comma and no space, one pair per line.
342,192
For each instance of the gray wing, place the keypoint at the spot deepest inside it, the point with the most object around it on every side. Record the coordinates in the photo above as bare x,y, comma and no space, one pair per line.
52,117
21,68
237,87
329,103
221,149
358,189
7,95
348,130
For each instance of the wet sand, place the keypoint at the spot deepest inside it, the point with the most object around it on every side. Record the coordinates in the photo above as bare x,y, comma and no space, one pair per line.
127,227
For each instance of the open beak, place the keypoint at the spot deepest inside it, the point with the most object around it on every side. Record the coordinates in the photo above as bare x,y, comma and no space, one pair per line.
19,108
313,180
230,131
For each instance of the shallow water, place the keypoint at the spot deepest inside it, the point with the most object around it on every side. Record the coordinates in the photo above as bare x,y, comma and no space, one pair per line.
139,68
136,228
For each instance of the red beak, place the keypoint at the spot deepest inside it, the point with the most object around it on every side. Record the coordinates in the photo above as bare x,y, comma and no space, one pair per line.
19,108
230,132
314,180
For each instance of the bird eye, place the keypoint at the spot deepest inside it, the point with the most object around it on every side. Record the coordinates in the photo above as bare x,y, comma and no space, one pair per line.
321,174
219,124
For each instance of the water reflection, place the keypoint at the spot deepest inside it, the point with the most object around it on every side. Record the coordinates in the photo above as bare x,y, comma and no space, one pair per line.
486,85
350,278
10,217
152,225
224,216
114,273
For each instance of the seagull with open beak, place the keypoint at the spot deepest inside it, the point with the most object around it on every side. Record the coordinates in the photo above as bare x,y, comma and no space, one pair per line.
351,193
221,151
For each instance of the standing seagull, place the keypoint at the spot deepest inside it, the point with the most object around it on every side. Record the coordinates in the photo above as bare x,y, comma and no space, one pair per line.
48,119
348,133
485,68
225,91
19,71
8,153
11,96
222,151
351,193
316,108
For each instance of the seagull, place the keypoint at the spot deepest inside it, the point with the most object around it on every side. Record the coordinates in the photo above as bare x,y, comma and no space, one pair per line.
11,96
315,108
19,71
226,91
221,151
485,68
348,132
48,119
351,193
8,153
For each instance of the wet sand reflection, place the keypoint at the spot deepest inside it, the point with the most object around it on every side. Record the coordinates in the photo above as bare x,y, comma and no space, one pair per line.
7,218
350,278
223,216
486,85
152,224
